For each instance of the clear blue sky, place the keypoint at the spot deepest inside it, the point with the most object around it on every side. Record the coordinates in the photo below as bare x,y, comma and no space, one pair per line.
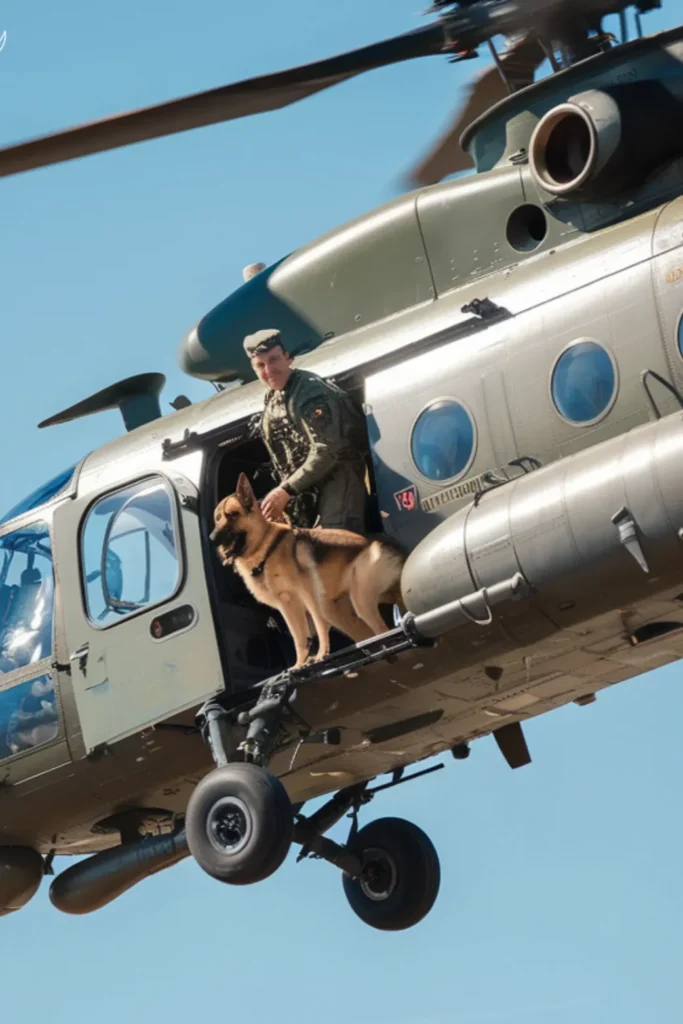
562,895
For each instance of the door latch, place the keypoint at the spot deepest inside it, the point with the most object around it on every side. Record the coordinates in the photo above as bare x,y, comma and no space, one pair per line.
81,656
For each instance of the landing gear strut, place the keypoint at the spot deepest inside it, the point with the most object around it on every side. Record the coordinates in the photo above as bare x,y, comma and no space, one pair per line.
240,822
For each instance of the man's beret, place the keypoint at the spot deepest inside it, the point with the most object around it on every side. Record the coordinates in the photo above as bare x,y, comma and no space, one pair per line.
262,341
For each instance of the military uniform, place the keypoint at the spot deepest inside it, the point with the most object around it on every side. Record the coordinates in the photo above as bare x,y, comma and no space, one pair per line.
317,441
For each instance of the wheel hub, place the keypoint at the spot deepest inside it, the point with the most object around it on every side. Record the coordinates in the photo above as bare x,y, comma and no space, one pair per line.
380,875
229,825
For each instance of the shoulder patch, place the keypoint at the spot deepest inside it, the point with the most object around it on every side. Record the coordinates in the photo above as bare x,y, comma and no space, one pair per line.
317,412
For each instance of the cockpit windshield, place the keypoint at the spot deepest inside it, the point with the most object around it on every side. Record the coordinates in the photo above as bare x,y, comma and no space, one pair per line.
26,597
40,495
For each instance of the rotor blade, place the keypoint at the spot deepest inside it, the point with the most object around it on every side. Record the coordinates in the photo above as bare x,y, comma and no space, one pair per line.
519,63
241,99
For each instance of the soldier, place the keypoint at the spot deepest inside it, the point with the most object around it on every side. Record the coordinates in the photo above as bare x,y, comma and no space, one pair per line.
316,438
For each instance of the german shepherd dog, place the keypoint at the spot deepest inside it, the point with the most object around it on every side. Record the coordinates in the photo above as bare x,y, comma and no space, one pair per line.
339,578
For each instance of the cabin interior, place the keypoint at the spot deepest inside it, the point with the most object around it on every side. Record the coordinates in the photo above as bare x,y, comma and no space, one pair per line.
256,641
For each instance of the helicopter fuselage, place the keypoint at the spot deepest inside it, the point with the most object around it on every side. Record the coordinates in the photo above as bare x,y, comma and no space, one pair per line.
499,372
518,354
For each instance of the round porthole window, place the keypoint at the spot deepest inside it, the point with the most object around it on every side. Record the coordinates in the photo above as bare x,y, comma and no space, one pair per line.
443,440
679,330
584,382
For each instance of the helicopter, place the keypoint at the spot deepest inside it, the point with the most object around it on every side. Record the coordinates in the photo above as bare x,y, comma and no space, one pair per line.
515,339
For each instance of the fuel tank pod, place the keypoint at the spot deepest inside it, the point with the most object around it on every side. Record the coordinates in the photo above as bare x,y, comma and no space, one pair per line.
21,872
97,880
588,533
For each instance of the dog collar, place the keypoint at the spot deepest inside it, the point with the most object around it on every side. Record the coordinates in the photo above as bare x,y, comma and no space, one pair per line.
258,570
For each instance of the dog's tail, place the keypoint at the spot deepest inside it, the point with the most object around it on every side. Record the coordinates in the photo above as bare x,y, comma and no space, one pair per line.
377,570
390,543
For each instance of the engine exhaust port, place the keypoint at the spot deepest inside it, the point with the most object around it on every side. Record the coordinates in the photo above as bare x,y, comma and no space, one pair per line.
562,150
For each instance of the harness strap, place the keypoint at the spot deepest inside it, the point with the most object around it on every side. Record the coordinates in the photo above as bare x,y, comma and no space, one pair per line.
258,570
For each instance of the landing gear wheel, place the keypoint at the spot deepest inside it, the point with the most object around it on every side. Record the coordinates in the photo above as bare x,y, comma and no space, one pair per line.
239,824
401,875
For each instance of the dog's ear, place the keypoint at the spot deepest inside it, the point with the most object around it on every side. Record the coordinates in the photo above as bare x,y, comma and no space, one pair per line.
245,493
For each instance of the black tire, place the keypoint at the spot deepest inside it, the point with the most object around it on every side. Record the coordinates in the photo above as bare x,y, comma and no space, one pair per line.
401,875
239,824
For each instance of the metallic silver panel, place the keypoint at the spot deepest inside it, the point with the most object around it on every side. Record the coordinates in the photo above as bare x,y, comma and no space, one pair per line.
556,526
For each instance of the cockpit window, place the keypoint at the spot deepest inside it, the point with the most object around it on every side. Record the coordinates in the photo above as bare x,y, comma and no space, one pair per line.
26,598
129,552
40,495
28,715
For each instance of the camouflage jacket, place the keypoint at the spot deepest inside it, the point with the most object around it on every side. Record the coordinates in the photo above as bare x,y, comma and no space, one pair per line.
308,428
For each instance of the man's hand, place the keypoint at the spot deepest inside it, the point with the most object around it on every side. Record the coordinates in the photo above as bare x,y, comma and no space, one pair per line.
274,504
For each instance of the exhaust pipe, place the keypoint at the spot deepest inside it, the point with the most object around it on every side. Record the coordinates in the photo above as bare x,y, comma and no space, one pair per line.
606,140
92,883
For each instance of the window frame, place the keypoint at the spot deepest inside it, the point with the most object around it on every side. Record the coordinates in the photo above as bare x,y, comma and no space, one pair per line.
179,538
581,424
475,441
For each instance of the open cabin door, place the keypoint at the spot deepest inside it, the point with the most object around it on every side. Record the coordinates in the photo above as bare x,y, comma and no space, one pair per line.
140,633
